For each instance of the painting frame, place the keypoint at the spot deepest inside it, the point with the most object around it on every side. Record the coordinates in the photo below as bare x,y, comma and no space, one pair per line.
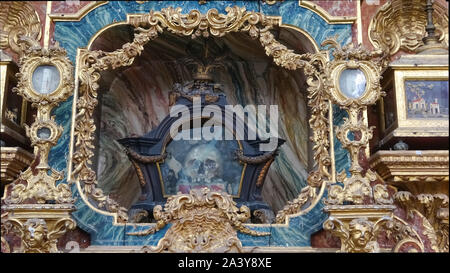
410,126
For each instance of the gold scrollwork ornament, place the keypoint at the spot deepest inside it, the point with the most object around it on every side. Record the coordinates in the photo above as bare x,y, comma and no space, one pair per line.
202,221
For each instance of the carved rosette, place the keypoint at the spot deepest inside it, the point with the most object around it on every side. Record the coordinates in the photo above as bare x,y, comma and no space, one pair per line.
400,25
202,221
195,24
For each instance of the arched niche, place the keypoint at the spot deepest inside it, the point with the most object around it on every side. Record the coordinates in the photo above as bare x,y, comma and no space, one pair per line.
134,99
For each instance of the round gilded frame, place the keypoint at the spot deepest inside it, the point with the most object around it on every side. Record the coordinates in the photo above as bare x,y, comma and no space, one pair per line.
372,91
54,57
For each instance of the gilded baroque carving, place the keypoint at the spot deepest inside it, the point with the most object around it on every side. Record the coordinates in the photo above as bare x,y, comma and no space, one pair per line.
18,19
202,221
36,56
195,24
37,184
400,24
357,188
405,167
38,209
360,236
358,226
433,210
37,235
14,160
405,237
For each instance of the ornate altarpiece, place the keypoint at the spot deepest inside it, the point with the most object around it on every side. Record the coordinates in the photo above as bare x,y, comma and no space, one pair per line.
372,208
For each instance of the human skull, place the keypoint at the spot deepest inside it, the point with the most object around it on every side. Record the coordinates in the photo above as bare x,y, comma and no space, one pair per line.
203,163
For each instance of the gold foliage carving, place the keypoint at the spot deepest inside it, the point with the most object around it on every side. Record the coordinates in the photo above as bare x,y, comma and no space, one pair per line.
18,19
433,210
202,221
400,24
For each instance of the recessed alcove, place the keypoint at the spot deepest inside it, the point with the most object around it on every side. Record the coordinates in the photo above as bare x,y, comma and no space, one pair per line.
135,99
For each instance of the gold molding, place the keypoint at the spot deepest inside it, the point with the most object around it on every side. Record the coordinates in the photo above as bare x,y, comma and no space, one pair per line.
358,225
302,31
101,31
47,24
302,3
330,19
412,167
359,21
38,226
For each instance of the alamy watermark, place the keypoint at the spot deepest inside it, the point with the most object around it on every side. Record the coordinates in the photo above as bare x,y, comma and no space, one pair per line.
260,123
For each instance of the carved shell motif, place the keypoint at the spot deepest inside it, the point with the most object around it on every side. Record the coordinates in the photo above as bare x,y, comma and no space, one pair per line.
17,19
400,24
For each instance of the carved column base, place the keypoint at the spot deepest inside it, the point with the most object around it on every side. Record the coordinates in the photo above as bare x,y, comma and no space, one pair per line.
358,225
38,226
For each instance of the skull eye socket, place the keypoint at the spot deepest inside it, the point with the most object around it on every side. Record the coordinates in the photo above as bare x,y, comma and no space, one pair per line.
192,162
209,163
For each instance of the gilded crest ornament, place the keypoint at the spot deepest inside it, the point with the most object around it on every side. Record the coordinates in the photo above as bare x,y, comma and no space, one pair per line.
38,226
202,221
358,226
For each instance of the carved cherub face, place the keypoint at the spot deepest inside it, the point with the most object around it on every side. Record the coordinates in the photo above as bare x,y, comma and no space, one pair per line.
360,233
35,233
203,163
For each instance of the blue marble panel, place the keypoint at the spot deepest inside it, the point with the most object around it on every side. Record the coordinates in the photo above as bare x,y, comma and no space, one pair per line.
73,35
